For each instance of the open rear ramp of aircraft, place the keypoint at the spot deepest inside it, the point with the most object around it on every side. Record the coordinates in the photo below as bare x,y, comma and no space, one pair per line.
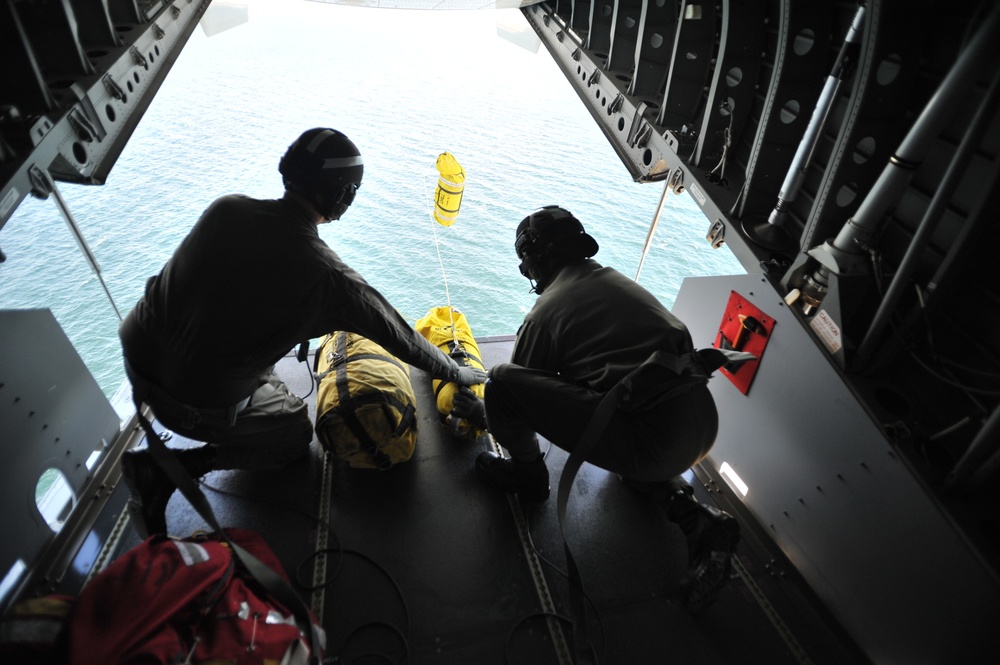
426,560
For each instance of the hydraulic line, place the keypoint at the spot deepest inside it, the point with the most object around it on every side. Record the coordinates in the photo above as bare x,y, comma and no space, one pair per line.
772,234
846,253
950,96
980,460
78,236
652,228
929,222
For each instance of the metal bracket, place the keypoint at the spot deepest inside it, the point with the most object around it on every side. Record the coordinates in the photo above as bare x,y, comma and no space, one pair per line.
82,125
676,182
41,182
138,57
640,129
717,234
113,88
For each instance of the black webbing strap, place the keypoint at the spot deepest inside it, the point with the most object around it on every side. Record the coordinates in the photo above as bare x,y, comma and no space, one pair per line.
460,354
592,434
643,384
273,583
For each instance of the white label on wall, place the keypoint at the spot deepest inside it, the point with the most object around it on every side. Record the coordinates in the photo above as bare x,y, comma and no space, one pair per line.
827,329
697,194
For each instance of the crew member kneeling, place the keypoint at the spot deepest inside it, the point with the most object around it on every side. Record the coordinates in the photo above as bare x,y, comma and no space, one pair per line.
589,328
250,281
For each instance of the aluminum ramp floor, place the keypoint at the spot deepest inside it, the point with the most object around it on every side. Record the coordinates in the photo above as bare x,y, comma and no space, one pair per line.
425,560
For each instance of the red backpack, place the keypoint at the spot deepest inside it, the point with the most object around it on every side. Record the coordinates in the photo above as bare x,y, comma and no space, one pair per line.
183,601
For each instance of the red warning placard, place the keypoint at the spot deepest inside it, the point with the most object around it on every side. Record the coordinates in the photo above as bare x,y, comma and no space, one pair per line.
744,328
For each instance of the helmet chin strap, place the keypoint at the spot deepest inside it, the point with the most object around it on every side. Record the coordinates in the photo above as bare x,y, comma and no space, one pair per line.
539,273
332,210
337,212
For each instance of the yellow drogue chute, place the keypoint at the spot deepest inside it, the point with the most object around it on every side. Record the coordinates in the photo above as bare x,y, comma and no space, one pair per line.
451,184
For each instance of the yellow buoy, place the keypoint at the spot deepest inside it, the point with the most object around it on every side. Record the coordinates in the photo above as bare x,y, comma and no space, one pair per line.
451,184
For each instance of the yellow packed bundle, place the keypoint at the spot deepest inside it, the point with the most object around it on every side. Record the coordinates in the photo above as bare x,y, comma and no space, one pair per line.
448,329
450,187
365,405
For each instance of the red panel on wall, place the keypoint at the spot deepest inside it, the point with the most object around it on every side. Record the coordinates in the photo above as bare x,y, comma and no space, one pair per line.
744,328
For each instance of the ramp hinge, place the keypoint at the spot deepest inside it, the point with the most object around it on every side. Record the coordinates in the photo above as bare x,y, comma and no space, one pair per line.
138,57
113,88
717,234
82,125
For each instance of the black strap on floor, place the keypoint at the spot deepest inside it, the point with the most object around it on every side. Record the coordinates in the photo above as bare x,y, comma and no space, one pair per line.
269,579
595,428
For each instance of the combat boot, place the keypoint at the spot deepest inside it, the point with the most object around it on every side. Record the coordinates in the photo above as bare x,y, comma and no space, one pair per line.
529,480
151,488
712,536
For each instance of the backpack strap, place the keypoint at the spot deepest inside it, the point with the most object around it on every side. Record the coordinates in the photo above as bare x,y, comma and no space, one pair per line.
277,587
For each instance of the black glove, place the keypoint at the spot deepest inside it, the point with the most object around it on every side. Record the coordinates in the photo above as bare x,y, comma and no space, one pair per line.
468,376
467,405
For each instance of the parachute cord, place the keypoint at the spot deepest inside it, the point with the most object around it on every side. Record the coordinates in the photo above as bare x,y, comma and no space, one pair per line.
444,275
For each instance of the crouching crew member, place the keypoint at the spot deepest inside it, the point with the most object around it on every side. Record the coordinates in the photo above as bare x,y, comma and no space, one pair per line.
250,281
590,327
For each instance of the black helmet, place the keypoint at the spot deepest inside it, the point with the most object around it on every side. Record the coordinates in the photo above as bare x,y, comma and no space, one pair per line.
326,167
548,233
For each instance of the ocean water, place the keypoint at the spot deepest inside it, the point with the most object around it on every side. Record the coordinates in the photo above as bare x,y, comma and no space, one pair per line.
405,85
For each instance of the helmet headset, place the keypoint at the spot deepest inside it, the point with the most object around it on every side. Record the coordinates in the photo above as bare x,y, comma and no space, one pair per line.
548,239
325,167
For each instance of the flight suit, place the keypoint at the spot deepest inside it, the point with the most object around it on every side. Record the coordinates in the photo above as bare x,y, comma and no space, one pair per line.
589,328
250,281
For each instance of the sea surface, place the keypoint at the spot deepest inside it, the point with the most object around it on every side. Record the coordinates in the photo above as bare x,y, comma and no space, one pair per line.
405,85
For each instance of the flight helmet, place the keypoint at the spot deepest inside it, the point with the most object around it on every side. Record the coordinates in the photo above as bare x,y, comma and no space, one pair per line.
547,239
326,168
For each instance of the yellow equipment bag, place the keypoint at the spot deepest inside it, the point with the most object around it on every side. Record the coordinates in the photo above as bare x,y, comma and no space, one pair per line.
450,187
365,405
449,330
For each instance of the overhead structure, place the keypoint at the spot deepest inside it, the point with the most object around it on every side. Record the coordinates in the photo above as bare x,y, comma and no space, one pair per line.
847,154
